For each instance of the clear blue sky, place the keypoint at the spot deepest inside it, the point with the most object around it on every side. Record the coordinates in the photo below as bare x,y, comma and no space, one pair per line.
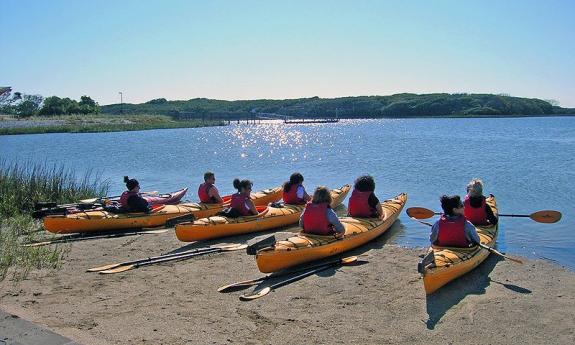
286,49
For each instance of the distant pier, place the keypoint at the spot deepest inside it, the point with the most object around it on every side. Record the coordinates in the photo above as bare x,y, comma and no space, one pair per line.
325,120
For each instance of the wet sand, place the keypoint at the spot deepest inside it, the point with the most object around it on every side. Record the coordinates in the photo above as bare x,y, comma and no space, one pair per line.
378,302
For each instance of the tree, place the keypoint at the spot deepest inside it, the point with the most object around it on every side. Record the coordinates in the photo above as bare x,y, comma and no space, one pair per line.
29,105
88,105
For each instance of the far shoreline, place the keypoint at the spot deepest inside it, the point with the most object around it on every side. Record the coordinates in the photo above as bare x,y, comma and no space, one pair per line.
38,125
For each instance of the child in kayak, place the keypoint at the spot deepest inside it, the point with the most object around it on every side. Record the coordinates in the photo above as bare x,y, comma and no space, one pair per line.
476,209
318,218
207,192
131,200
294,192
452,229
363,203
241,201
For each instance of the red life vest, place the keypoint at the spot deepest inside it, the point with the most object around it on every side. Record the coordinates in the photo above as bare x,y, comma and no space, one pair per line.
238,202
203,193
359,206
476,216
125,196
452,232
291,196
315,219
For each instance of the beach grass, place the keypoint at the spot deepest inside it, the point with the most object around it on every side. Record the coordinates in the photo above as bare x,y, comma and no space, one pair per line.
21,186
99,123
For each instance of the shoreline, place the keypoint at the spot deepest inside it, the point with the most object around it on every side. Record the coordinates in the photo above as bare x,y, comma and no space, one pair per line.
95,124
381,301
60,124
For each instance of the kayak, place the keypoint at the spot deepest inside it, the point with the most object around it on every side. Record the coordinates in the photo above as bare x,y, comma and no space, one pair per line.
268,218
307,247
101,220
166,199
172,198
444,264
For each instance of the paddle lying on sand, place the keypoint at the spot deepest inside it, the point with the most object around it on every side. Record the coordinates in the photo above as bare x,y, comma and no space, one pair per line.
545,216
128,265
248,283
267,290
419,213
84,237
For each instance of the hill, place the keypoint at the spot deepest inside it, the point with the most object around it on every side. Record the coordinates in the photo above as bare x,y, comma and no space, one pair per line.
399,105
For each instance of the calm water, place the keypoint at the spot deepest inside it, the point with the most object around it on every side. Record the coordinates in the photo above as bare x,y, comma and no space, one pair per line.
528,163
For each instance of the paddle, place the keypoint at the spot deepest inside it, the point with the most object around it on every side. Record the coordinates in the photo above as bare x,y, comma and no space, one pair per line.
118,264
545,216
248,283
174,257
479,244
76,238
267,290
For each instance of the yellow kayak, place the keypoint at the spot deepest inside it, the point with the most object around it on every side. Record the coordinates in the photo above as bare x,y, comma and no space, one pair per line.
306,247
268,218
100,220
444,264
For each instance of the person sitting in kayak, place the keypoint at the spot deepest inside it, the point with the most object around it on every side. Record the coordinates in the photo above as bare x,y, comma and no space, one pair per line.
241,201
363,203
452,229
207,192
476,209
318,218
294,192
131,200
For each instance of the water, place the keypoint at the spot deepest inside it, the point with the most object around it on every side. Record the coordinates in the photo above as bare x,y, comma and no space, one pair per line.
528,163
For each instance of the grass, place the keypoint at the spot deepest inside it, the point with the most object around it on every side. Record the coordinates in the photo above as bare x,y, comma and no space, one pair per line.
104,123
21,186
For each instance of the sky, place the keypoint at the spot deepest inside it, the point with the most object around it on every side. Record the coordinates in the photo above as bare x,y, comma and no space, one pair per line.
245,49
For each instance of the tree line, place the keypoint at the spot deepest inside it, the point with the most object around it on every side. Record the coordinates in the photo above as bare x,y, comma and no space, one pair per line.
24,105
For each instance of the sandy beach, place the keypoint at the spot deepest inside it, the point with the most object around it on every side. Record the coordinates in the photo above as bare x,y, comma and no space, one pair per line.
378,302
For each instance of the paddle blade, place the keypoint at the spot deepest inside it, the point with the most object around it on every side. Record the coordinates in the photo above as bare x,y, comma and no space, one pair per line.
233,247
546,216
238,285
102,268
348,260
420,212
118,270
36,244
256,295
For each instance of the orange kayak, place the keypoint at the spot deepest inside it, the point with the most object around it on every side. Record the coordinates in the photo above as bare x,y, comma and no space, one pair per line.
306,247
269,217
444,264
100,220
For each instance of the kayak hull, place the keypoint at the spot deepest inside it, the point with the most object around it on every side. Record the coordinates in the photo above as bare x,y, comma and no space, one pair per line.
100,220
271,217
305,247
451,263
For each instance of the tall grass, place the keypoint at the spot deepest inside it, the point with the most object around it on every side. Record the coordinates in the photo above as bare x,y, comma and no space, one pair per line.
21,186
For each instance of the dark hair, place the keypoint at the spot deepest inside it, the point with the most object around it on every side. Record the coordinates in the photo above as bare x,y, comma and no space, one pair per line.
207,175
239,185
131,183
365,183
295,178
321,195
448,203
